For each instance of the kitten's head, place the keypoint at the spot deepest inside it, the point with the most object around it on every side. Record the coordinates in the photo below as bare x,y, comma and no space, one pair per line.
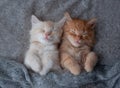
46,31
79,32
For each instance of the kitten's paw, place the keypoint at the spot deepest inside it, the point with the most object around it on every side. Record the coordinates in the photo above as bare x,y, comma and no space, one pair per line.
75,70
72,66
42,73
88,68
91,61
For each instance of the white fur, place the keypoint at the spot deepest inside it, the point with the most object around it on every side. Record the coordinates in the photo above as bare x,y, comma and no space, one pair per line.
42,55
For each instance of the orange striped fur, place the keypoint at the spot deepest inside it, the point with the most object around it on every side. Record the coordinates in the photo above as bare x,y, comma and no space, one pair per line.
77,41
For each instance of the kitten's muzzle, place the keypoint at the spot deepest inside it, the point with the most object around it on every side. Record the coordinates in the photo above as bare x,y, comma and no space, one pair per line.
47,35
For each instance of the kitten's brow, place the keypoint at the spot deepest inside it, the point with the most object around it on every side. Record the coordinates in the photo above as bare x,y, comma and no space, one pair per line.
77,31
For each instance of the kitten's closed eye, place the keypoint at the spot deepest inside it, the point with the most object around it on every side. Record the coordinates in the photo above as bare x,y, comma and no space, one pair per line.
53,28
41,31
48,33
72,31
84,33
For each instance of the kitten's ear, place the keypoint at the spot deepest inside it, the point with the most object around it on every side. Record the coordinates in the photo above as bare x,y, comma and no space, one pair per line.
61,22
34,20
67,15
92,22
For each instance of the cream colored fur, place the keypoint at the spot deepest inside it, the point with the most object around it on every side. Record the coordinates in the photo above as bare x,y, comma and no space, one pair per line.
42,55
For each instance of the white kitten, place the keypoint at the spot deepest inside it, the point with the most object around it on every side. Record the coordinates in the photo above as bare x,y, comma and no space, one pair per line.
43,55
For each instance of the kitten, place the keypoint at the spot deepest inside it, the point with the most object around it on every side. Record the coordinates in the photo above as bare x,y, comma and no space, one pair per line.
42,55
77,41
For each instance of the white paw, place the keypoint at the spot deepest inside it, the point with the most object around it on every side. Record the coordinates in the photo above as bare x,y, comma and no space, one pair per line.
42,73
89,68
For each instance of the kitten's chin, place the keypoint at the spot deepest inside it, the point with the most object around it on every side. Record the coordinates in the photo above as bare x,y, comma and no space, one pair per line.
48,40
76,45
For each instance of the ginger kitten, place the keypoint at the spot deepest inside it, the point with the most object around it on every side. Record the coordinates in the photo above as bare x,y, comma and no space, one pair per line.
77,41
43,55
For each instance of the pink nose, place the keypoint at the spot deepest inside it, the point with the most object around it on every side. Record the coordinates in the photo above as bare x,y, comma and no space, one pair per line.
47,35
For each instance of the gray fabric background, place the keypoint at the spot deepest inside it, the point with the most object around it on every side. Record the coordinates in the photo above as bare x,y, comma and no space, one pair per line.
14,40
